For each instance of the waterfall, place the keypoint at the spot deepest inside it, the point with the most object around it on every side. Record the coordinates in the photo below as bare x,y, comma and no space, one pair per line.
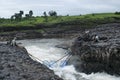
47,53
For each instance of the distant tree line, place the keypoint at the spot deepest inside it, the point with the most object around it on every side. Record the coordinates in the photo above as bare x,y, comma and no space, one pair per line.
117,13
19,16
50,13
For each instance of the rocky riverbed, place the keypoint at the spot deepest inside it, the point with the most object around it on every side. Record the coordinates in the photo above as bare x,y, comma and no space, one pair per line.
15,64
100,56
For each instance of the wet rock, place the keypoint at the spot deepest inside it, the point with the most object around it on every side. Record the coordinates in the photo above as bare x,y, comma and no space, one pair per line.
76,61
100,56
15,64
63,46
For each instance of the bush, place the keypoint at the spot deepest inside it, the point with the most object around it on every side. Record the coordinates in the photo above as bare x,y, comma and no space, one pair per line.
118,13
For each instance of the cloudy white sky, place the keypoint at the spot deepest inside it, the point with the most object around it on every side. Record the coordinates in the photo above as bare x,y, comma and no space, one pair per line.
63,7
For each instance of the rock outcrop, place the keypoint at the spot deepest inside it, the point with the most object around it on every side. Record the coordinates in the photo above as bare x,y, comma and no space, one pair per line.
101,56
29,34
15,64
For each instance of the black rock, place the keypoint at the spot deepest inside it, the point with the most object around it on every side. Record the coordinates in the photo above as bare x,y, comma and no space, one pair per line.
15,64
100,56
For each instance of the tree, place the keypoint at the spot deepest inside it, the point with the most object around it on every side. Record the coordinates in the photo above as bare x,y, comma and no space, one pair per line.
12,17
52,13
93,14
30,13
17,16
20,14
117,13
45,16
44,13
67,15
27,15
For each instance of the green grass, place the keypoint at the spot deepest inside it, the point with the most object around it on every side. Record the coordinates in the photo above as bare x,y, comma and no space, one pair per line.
85,20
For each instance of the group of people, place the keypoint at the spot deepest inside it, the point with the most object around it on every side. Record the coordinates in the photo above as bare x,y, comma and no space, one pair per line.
88,37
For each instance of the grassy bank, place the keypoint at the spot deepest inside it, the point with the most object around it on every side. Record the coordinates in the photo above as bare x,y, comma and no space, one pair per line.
84,21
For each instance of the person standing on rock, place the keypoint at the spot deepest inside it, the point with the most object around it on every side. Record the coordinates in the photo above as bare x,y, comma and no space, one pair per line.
69,51
96,38
13,42
86,36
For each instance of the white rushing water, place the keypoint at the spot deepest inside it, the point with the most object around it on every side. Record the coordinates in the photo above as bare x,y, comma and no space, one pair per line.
46,52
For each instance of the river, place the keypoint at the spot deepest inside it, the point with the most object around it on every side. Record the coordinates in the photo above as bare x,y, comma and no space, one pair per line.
45,52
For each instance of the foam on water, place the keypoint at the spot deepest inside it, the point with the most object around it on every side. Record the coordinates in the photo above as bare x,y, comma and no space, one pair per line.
44,53
45,50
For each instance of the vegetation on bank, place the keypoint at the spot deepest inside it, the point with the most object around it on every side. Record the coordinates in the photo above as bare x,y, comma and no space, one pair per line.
17,22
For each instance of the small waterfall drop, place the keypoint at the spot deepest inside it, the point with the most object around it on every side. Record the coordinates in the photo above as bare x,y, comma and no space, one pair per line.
47,53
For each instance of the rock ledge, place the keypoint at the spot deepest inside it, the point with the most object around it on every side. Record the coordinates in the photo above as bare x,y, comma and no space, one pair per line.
15,64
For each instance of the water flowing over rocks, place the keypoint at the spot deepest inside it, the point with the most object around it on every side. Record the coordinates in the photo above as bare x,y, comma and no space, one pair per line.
15,64
99,56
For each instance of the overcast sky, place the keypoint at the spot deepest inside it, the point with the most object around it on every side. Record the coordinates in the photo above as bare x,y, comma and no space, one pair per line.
63,7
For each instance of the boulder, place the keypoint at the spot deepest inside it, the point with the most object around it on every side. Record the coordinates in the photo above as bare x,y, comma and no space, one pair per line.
15,64
101,56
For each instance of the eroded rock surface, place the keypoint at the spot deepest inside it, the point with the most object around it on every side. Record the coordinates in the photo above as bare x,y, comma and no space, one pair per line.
100,56
15,64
